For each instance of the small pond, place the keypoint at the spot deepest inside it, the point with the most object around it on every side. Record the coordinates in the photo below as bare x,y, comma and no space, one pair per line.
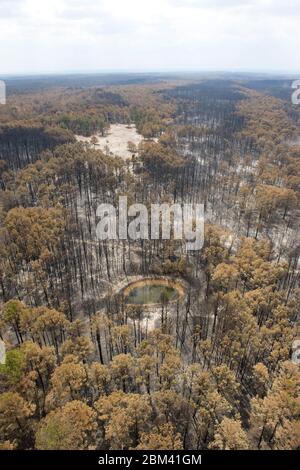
152,291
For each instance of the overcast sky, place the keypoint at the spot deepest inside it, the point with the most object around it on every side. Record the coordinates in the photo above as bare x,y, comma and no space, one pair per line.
148,35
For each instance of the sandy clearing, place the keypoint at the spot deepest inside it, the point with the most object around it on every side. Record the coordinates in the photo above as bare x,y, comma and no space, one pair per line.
116,140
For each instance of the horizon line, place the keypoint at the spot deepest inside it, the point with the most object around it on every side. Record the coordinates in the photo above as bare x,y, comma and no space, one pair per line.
147,72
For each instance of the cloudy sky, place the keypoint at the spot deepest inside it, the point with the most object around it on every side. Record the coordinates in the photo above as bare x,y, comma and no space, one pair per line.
148,35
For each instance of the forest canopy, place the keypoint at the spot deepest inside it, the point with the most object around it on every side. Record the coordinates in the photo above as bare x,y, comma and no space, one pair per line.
215,369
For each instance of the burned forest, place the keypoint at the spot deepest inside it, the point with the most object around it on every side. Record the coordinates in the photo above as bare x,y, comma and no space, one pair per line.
129,343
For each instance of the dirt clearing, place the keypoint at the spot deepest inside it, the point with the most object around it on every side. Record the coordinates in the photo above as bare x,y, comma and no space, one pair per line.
116,140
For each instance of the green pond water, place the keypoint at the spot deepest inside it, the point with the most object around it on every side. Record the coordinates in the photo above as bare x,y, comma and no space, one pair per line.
151,294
